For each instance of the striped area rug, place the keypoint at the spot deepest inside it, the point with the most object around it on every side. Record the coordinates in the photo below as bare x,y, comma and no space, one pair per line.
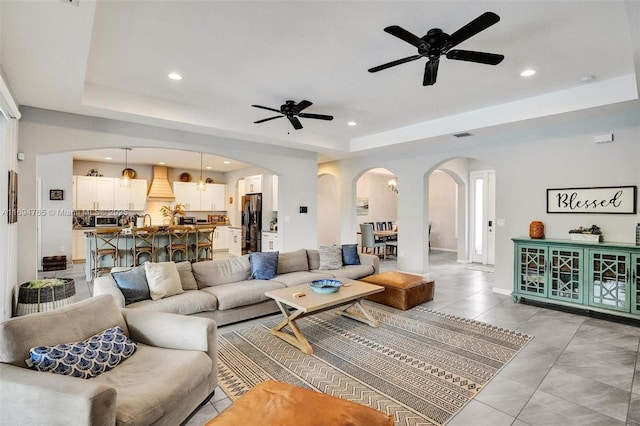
421,366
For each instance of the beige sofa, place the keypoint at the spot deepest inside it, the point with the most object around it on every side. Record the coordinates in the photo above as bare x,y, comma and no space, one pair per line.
226,294
172,371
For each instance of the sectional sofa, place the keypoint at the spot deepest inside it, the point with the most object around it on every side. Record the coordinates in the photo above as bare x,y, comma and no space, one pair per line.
222,289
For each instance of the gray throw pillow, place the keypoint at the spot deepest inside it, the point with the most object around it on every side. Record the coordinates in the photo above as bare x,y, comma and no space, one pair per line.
133,284
294,261
264,266
186,276
330,257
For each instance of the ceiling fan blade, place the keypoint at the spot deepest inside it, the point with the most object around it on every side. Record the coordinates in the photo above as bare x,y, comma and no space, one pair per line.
318,116
394,63
405,35
267,108
471,56
430,72
267,119
481,23
301,105
295,122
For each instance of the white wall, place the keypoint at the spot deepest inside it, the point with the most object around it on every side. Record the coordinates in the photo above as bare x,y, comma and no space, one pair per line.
328,210
383,204
442,211
44,132
526,164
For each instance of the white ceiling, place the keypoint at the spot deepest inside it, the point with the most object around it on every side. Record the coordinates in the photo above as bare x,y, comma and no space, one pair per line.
111,59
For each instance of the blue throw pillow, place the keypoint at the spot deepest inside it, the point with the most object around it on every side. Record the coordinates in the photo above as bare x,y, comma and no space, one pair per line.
264,266
350,254
85,359
133,284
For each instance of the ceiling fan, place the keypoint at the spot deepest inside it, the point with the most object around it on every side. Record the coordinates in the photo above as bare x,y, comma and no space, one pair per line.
292,111
436,43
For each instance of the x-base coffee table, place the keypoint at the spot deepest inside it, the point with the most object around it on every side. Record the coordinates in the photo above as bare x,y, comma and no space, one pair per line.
349,294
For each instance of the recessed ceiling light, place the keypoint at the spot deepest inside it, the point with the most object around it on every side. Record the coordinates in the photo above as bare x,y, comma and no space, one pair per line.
208,167
175,76
108,158
527,73
227,162
351,123
162,163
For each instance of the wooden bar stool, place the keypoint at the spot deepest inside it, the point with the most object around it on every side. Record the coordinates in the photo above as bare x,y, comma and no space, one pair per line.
144,240
178,242
105,243
203,242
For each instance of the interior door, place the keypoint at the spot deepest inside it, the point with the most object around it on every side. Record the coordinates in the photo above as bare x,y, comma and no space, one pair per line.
483,216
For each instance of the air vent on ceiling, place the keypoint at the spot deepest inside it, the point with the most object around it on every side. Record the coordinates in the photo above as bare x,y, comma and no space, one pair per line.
462,135
73,2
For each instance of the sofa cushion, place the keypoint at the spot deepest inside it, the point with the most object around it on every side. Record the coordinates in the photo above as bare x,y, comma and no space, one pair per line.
353,272
303,277
293,261
187,280
242,293
155,382
264,266
133,284
330,257
163,279
187,303
350,254
89,358
221,271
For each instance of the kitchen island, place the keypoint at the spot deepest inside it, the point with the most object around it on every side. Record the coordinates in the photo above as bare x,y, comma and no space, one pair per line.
125,246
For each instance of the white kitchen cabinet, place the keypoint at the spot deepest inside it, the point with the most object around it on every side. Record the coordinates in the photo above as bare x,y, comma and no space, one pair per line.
269,241
274,193
253,184
95,193
131,197
235,241
79,245
212,199
221,238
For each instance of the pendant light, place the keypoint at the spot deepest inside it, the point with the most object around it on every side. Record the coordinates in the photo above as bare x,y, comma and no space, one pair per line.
125,180
201,185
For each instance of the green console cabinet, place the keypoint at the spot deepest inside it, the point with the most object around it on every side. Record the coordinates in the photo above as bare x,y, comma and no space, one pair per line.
601,277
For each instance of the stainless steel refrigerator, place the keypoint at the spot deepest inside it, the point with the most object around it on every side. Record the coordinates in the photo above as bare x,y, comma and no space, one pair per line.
251,223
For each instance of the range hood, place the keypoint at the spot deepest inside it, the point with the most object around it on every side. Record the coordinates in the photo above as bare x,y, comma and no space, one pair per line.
160,188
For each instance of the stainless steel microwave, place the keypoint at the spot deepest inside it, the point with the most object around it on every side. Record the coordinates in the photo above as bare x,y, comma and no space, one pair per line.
106,221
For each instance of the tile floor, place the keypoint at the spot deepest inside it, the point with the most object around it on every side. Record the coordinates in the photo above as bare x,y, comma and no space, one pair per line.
576,371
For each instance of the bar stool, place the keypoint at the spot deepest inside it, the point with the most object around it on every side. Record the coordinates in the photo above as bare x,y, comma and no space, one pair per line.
178,242
203,241
144,240
105,243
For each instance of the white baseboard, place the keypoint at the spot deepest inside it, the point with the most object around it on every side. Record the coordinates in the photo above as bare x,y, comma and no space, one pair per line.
501,291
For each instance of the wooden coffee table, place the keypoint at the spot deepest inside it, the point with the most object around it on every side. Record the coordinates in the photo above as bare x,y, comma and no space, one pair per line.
350,294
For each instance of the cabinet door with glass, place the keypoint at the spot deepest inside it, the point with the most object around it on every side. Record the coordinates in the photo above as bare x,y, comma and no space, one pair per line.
609,279
635,283
565,274
530,269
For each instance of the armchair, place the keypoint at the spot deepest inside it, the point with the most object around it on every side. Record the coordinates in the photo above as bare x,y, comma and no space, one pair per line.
172,372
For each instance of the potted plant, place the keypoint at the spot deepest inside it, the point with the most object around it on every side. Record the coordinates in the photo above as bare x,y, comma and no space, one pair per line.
45,294
172,211
593,234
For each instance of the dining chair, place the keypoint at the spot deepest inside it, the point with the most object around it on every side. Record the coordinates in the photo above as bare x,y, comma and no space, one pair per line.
203,242
178,242
381,226
105,244
144,243
368,240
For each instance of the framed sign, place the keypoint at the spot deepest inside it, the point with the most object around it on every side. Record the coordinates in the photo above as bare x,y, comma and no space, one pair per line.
598,200
56,194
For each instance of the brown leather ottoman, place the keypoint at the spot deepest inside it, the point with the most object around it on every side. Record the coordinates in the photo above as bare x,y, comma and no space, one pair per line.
401,290
274,403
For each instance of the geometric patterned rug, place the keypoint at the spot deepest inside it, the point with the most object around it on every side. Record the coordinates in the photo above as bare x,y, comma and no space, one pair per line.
421,366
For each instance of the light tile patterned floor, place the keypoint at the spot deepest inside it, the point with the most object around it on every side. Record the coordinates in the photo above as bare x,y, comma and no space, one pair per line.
576,371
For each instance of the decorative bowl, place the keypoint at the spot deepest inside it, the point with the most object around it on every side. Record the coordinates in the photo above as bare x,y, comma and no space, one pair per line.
325,286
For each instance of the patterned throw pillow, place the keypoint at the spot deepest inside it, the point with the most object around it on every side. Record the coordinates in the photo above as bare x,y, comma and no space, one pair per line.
132,284
264,266
86,359
330,257
350,254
